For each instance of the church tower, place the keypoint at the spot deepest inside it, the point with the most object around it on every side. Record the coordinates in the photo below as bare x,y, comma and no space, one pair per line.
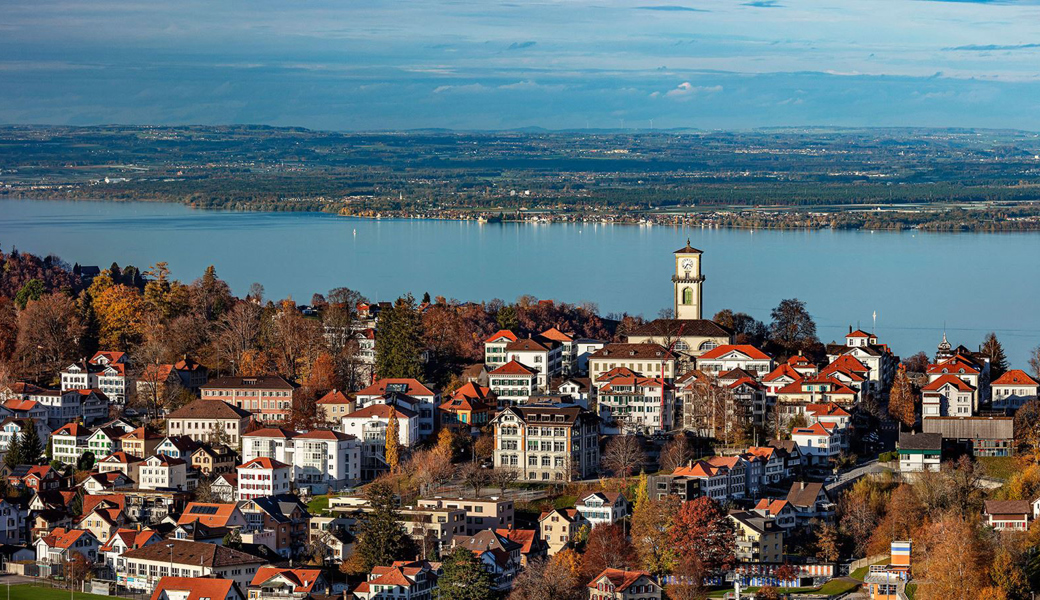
687,282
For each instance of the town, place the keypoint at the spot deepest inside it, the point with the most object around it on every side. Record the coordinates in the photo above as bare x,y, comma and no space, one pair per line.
173,440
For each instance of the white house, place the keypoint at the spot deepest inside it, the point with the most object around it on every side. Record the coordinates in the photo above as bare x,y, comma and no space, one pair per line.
645,404
819,442
161,472
270,442
735,356
1013,389
421,398
919,452
142,568
603,508
69,443
263,477
326,460
11,429
370,423
106,371
948,396
543,356
58,546
495,348
513,383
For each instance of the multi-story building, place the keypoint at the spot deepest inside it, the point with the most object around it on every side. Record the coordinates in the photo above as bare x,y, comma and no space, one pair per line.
602,508
105,371
267,397
369,426
877,357
142,568
638,404
559,527
759,539
325,460
161,472
978,436
334,405
735,356
58,546
89,404
543,356
11,429
270,442
919,452
645,360
275,583
948,396
469,408
69,443
196,588
212,421
1013,389
513,383
140,442
481,513
819,442
417,396
263,478
618,584
495,348
547,442
401,581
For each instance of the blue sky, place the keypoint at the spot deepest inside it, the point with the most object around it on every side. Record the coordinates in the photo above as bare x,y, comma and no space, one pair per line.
372,65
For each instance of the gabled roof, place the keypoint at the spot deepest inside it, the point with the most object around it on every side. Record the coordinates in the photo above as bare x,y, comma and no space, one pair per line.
381,411
411,387
608,498
501,334
302,580
1015,377
634,351
1009,508
131,538
814,429
198,588
620,579
556,335
263,462
470,391
74,430
920,441
325,434
17,405
957,365
335,397
60,537
526,345
512,368
698,469
527,538
210,409
687,249
121,457
828,409
669,328
746,349
782,370
193,553
771,507
273,432
945,380
259,382
211,514
90,501
803,494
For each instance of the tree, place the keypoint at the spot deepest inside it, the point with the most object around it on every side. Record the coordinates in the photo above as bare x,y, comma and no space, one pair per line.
30,444
678,452
994,351
77,569
507,319
917,363
547,579
464,577
502,477
32,290
952,568
237,333
703,530
642,491
13,457
792,329
293,341
85,462
399,342
652,521
120,311
1008,573
1034,361
746,329
49,331
623,455
902,403
381,539
475,476
828,545
607,548
393,441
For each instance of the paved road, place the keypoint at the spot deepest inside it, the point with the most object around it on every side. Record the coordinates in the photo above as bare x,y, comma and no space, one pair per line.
847,478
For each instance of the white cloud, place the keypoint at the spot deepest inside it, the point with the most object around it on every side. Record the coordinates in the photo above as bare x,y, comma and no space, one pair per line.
687,90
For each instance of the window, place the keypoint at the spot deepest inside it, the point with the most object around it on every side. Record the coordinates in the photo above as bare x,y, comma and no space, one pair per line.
687,296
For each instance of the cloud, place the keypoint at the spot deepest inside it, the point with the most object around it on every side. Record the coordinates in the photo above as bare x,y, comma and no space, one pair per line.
521,45
672,8
991,47
528,84
472,87
687,90
764,4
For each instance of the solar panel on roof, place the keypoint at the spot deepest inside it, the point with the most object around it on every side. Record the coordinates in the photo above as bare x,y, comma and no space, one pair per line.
203,510
397,387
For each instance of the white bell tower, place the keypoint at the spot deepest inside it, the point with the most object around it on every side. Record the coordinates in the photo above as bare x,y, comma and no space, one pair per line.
687,282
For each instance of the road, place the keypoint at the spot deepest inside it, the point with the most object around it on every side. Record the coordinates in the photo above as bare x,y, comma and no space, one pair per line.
847,478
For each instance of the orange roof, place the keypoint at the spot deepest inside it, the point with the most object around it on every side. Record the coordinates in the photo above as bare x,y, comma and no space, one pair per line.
618,578
381,411
616,372
956,364
512,368
782,370
210,514
197,587
556,335
698,469
142,433
502,334
525,537
110,355
73,429
859,333
90,501
17,405
60,537
273,432
745,349
471,391
762,451
815,429
303,580
335,397
414,387
121,457
772,507
945,380
799,360
1015,377
324,434
265,463
132,538
828,409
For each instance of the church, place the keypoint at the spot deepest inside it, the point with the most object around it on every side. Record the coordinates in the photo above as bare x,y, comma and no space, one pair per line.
691,334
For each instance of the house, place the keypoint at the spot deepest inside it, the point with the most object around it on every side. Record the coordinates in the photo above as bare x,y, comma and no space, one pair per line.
645,360
547,442
140,442
270,442
1013,389
334,405
559,527
495,348
23,409
274,583
481,513
713,481
97,483
11,429
268,397
820,442
780,511
773,463
568,347
1013,515
513,383
618,584
103,521
468,409
213,460
759,539
919,452
142,568
979,436
120,462
122,540
948,396
282,520
420,398
638,404
225,486
499,555
748,394
531,546
416,580
161,472
735,356
325,460
58,546
877,357
544,356
105,371
602,508
888,582
14,520
792,399
263,477
177,446
42,477
213,514
793,459
810,501
105,440
211,421
156,379
69,443
196,588
369,425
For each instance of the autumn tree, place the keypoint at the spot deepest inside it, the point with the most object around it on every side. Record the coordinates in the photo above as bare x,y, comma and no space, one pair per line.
652,522
623,455
293,341
994,351
678,452
475,476
237,333
32,290
429,468
828,545
1008,572
120,311
902,402
48,334
464,577
393,441
547,579
792,328
399,345
703,530
953,565
607,547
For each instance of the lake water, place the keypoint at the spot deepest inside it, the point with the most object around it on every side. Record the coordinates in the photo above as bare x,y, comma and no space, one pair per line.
917,282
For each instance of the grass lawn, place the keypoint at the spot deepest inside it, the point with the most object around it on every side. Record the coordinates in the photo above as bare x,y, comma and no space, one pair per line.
32,592
838,586
861,573
999,467
317,506
911,590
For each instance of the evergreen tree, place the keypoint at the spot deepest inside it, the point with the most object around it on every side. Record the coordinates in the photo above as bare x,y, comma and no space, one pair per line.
85,462
32,290
902,405
399,345
464,577
393,441
381,538
507,318
13,457
30,443
994,351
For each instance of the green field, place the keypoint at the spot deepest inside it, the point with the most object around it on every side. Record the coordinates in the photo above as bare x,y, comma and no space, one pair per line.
999,467
318,505
33,592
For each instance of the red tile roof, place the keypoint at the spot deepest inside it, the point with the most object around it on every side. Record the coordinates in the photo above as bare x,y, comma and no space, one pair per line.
620,579
381,411
335,397
415,388
500,335
745,349
957,365
273,432
945,380
512,368
198,588
210,514
73,429
324,434
303,580
1015,377
265,463
828,409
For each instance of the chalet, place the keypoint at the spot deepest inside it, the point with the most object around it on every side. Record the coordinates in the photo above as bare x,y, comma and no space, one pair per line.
1013,515
617,584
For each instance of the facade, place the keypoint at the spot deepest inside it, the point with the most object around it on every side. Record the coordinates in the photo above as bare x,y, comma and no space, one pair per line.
401,581
369,426
142,568
481,513
161,472
1008,515
979,436
687,283
513,383
735,356
418,397
559,527
469,408
543,356
602,508
274,583
547,442
262,478
1013,389
267,397
213,421
69,443
646,360
334,405
105,371
638,404
759,539
325,460
617,584
948,396
820,442
495,348
196,588
919,452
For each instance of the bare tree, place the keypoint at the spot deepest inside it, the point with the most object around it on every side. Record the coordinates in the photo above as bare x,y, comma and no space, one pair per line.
677,452
623,455
237,332
502,477
475,476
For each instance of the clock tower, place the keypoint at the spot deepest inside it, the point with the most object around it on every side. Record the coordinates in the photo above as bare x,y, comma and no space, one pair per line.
687,282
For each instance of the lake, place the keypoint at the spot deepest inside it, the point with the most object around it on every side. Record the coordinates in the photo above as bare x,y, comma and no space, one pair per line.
917,282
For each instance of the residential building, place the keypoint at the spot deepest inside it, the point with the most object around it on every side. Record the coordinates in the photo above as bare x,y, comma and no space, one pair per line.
735,356
759,539
369,426
161,472
1013,515
513,383
559,527
773,468
105,440
262,478
637,404
105,371
196,588
140,442
213,460
120,462
11,429
687,338
602,508
334,405
325,460
58,546
820,442
499,555
177,446
919,452
401,581
14,518
866,349
469,408
948,396
275,583
618,584
645,360
547,442
271,442
481,513
810,501
69,443
213,514
418,397
495,348
124,539
1013,389
142,568
213,421
267,397
543,356
780,511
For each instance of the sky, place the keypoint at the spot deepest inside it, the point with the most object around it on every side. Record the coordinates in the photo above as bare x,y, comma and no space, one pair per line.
567,64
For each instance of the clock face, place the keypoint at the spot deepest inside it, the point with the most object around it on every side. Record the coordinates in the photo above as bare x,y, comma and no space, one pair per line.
687,264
